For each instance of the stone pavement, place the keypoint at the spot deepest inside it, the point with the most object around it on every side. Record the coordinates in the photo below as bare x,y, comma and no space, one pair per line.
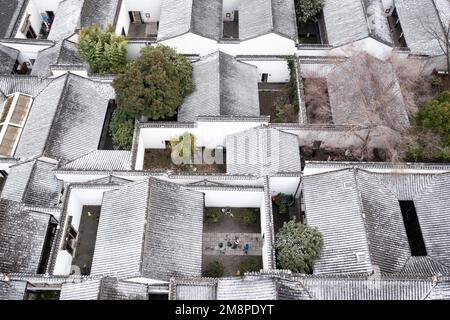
211,244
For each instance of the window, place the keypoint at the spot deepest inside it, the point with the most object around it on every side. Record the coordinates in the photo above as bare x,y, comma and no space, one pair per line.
12,120
412,226
70,238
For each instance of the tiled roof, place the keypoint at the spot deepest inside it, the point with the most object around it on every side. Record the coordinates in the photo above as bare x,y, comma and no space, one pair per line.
104,289
32,183
66,119
224,87
63,53
202,17
24,84
193,290
107,160
364,207
352,90
292,287
262,150
345,21
8,15
12,290
22,236
246,289
8,57
260,17
101,13
67,19
161,223
419,20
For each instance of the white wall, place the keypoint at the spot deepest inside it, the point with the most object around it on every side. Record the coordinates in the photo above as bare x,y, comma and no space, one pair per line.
209,134
27,51
233,199
229,6
269,44
63,263
192,44
287,185
83,197
123,20
277,70
35,8
148,6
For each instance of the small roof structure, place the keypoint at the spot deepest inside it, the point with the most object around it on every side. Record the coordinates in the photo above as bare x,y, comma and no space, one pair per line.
100,13
162,225
107,288
223,87
32,183
9,15
201,17
420,20
12,290
260,17
262,151
358,97
305,287
8,58
22,238
347,21
110,160
66,118
364,206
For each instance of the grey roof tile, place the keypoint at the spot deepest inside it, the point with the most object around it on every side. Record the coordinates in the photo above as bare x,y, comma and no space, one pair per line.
333,201
162,224
260,17
107,160
262,150
8,15
67,19
101,13
32,183
8,57
22,237
246,289
224,87
202,17
12,290
66,119
419,19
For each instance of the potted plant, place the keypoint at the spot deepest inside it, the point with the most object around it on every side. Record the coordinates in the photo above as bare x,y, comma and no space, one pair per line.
283,202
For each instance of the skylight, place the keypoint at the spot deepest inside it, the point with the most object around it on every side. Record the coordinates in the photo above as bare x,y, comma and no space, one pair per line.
12,119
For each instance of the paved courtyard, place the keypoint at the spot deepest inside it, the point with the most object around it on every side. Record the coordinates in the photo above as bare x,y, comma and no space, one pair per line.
229,247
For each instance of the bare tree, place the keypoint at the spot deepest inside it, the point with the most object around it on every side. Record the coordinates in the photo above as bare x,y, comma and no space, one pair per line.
415,81
441,33
364,92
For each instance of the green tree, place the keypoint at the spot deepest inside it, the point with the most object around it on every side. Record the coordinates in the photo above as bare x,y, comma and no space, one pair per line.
308,9
297,246
435,115
122,130
155,84
103,50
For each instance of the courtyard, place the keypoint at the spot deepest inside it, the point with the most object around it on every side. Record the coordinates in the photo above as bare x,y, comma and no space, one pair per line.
161,160
271,96
232,239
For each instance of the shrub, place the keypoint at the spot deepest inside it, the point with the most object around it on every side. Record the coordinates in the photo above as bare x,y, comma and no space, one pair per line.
215,269
293,85
285,113
122,130
283,202
297,246
214,215
248,217
249,264
435,115
103,50
155,84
